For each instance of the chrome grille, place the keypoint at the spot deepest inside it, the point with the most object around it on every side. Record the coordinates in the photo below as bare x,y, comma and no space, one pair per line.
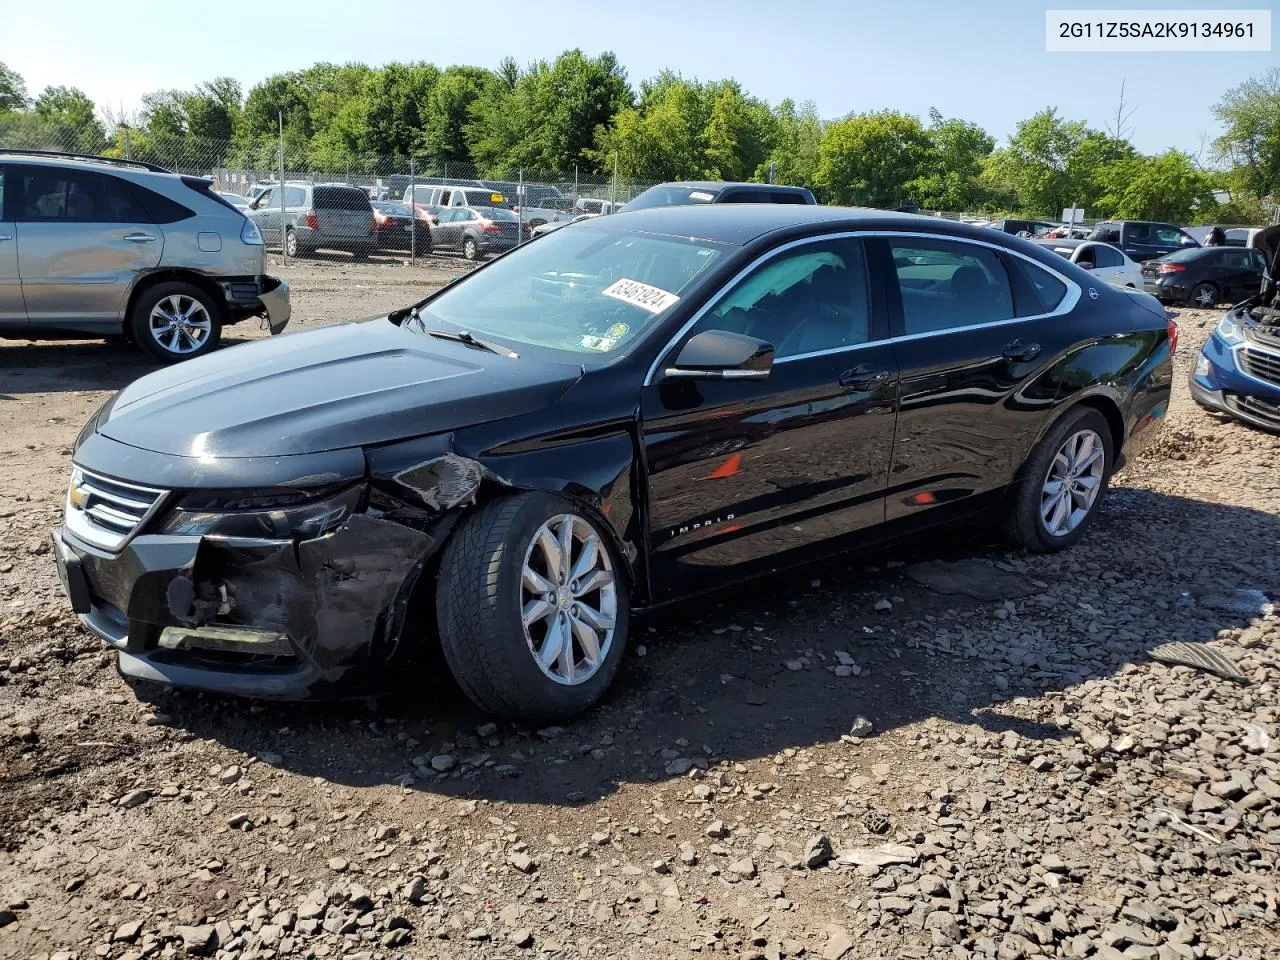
105,512
1264,366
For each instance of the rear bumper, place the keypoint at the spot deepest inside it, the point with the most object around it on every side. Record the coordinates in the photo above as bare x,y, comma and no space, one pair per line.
262,296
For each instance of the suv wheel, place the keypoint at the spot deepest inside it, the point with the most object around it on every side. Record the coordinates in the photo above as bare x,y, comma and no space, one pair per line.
469,249
1063,482
175,321
290,243
532,608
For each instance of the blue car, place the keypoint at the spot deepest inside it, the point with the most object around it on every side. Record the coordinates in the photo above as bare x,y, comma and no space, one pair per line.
1238,370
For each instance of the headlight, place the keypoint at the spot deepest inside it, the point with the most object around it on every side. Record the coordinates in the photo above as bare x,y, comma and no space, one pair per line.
250,234
262,517
1229,330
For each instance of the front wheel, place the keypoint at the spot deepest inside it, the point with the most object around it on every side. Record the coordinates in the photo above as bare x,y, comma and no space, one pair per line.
1061,486
290,243
469,249
532,608
175,321
1203,295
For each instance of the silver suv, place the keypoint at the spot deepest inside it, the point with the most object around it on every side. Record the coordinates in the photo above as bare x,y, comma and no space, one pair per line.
335,216
97,247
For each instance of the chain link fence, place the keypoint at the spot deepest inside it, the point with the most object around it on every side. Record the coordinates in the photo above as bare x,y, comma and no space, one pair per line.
395,184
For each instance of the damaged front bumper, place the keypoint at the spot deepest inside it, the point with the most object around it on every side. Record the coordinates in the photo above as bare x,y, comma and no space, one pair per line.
264,296
283,619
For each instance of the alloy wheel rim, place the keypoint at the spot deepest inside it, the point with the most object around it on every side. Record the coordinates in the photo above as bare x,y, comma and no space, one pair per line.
291,242
1071,487
469,249
180,324
1206,298
568,600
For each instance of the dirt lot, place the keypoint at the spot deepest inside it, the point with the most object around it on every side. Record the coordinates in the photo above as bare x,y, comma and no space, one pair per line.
839,762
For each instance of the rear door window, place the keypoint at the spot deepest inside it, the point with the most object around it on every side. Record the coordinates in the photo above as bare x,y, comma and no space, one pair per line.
1168,234
77,196
295,196
1141,233
1104,256
948,283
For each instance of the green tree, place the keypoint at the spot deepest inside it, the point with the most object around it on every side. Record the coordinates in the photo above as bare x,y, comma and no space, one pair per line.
1251,141
13,91
68,115
797,137
1167,187
448,112
738,134
395,102
663,137
868,159
951,180
1034,166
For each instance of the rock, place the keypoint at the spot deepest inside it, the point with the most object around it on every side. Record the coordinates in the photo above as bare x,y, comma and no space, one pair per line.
311,910
442,763
522,862
135,798
744,868
416,889
838,945
486,729
661,867
230,775
127,932
945,925
1053,863
883,605
395,938
862,727
817,852
238,821
477,934
716,829
522,937
200,940
7,917
339,864
881,856
679,767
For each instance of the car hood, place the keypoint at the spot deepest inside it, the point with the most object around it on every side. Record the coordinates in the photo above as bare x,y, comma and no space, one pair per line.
1268,241
345,386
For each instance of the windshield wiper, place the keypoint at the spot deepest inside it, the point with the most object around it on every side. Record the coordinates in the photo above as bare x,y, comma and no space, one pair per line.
462,336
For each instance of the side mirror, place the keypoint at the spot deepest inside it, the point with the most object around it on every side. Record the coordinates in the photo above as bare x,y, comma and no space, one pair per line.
722,355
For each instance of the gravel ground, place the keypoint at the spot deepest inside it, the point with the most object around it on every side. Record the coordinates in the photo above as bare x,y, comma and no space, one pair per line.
840,762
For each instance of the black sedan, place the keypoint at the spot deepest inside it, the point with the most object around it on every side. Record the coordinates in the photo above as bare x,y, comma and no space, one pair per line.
1205,276
625,413
393,226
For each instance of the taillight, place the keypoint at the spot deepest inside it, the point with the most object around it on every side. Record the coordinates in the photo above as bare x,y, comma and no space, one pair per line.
1170,268
379,217
309,218
1171,329
488,226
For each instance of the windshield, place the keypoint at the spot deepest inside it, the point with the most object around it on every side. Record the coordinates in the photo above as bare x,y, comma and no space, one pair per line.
585,290
670,196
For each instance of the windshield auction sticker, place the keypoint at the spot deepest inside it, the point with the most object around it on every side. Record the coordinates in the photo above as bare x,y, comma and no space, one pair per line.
1136,31
653,299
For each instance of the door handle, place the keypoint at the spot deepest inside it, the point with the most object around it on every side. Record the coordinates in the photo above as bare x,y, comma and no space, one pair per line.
6,236
139,237
864,378
1018,350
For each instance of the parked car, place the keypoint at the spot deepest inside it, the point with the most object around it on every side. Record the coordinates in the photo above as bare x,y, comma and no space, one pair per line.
393,226
100,248
236,200
1035,228
681,194
316,216
1238,370
1204,276
625,413
1142,239
1103,260
258,189
431,199
594,206
476,231
1234,236
545,228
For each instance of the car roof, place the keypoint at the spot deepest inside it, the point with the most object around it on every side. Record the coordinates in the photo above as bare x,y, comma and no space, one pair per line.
737,224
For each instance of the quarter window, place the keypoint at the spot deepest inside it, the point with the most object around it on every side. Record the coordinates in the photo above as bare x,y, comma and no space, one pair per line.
947,284
295,196
809,299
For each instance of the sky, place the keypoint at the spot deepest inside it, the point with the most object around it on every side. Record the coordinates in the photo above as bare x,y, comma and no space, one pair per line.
981,61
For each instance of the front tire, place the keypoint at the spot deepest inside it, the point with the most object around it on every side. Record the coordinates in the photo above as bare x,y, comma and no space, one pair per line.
290,243
469,249
532,608
175,321
1061,486
1203,296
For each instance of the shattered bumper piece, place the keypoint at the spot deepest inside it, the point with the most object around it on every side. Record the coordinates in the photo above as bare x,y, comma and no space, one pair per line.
274,619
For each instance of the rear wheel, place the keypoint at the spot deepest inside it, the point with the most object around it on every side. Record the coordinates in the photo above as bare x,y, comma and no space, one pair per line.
175,321
1203,295
532,608
469,249
290,243
1062,484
